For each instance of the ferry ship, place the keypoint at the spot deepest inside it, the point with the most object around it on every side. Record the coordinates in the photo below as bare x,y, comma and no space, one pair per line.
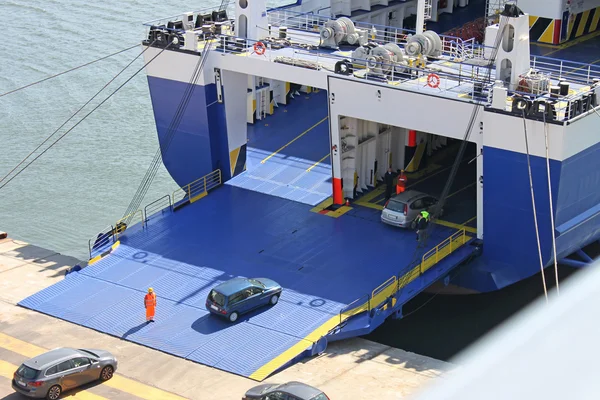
279,126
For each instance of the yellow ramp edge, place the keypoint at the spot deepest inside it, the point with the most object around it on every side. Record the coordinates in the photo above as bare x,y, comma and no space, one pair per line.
378,296
118,382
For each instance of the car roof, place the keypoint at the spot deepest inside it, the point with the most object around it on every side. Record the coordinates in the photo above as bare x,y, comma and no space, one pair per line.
51,357
299,389
232,286
408,196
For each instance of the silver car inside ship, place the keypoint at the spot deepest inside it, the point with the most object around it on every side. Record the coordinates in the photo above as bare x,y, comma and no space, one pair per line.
402,209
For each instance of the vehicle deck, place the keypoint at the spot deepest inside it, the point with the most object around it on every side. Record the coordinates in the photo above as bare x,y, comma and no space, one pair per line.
184,254
145,373
261,223
290,160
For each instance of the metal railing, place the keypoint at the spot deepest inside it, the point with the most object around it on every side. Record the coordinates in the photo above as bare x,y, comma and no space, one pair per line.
452,46
110,235
391,286
411,77
564,69
443,250
198,189
155,206
229,7
104,239
132,218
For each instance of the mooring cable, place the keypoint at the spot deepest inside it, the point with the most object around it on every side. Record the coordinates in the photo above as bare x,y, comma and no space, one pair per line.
69,70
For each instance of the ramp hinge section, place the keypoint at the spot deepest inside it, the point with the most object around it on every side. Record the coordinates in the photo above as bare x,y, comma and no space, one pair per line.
218,84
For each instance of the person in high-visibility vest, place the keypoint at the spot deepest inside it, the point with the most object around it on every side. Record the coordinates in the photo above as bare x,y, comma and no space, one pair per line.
150,304
422,223
401,184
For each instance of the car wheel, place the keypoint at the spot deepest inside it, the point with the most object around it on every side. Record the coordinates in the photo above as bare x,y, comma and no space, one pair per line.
54,392
106,373
274,299
233,316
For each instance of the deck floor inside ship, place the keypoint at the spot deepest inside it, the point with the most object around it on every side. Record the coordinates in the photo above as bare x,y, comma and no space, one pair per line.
288,152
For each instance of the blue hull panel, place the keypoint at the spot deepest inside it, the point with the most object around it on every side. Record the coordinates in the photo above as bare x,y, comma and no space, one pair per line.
198,135
510,250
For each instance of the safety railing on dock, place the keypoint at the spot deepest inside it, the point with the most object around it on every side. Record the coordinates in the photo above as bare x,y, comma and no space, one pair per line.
158,205
194,191
103,240
382,293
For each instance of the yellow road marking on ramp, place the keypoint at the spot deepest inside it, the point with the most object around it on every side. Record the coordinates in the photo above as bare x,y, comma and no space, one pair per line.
118,382
294,139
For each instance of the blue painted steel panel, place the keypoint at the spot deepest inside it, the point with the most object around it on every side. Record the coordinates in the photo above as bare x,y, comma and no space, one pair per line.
194,149
510,249
299,146
579,184
305,252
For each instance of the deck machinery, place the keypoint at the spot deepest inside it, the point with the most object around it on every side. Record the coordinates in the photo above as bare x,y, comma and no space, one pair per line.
531,120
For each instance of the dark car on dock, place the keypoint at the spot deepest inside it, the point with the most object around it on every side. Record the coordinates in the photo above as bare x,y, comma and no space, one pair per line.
286,391
241,295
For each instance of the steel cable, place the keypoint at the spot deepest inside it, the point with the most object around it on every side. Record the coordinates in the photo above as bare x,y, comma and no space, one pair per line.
69,70
87,115
151,172
72,116
155,163
457,161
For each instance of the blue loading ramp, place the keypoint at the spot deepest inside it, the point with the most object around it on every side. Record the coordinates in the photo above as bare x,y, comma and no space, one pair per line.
288,152
236,232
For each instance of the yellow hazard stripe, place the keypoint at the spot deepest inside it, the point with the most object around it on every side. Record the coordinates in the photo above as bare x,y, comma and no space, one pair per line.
117,382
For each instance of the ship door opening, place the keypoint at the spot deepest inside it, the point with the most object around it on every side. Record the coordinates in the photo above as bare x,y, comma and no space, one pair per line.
369,149
287,141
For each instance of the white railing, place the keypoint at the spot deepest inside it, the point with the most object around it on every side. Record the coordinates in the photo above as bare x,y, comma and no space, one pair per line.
229,7
569,70
410,78
454,47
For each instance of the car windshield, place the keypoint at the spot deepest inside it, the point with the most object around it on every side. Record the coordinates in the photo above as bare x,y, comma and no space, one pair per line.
320,396
216,297
395,206
26,372
88,352
256,283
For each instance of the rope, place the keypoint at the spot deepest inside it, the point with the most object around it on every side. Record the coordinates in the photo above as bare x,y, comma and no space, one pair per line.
457,161
551,205
71,117
69,70
154,165
537,233
87,115
152,170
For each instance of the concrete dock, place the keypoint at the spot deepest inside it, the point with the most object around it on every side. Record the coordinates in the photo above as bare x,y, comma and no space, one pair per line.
351,369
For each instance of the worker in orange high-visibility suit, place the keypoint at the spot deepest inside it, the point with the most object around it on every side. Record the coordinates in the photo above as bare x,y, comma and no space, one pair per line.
401,184
150,304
